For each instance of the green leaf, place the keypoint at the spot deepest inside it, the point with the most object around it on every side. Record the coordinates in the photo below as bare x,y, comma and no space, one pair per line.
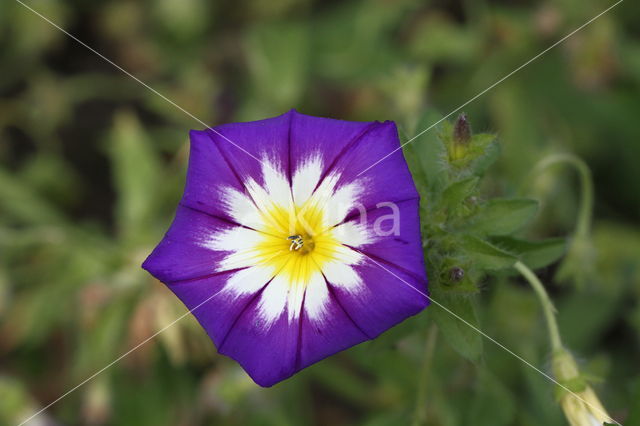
136,170
459,191
448,313
502,216
534,254
487,256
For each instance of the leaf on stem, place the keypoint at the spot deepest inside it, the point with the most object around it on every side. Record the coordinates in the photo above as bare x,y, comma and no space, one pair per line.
535,254
464,339
502,216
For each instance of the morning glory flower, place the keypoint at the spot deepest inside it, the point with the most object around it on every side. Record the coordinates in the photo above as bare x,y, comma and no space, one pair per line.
283,251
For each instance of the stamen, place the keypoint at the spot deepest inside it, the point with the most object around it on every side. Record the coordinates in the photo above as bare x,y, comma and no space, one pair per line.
296,242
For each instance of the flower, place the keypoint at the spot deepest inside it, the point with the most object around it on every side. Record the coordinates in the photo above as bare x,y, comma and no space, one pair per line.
283,252
581,406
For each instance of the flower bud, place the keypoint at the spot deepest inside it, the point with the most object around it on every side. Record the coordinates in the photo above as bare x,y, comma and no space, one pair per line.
581,406
460,138
462,130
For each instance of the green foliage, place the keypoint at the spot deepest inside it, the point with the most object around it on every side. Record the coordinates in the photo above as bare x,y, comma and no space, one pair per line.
634,416
278,74
464,339
535,254
25,205
493,405
502,217
484,255
136,173
467,238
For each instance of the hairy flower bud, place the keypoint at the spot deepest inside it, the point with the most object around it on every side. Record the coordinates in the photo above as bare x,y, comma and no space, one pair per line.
462,130
460,138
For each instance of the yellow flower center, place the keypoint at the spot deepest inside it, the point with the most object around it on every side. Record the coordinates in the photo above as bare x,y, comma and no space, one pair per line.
296,241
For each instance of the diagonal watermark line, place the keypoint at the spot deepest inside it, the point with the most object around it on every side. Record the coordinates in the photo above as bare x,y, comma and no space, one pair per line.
494,85
137,79
162,330
500,345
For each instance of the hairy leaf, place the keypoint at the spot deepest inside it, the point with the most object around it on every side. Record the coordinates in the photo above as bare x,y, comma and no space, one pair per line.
487,256
535,254
503,216
457,192
455,316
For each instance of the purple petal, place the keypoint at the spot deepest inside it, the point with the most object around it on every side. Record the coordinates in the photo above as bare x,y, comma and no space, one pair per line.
394,242
207,174
245,146
389,296
327,137
387,181
179,256
267,355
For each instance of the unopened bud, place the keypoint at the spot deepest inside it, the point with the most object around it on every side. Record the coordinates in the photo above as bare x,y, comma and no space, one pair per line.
579,402
462,130
460,138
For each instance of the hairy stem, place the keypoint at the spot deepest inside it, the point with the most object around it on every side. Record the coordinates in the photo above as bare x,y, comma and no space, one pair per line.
547,306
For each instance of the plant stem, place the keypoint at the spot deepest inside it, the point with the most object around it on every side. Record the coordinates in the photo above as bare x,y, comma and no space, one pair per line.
421,394
545,301
583,222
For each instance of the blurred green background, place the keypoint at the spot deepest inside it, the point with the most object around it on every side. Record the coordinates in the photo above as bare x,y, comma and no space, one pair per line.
92,165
